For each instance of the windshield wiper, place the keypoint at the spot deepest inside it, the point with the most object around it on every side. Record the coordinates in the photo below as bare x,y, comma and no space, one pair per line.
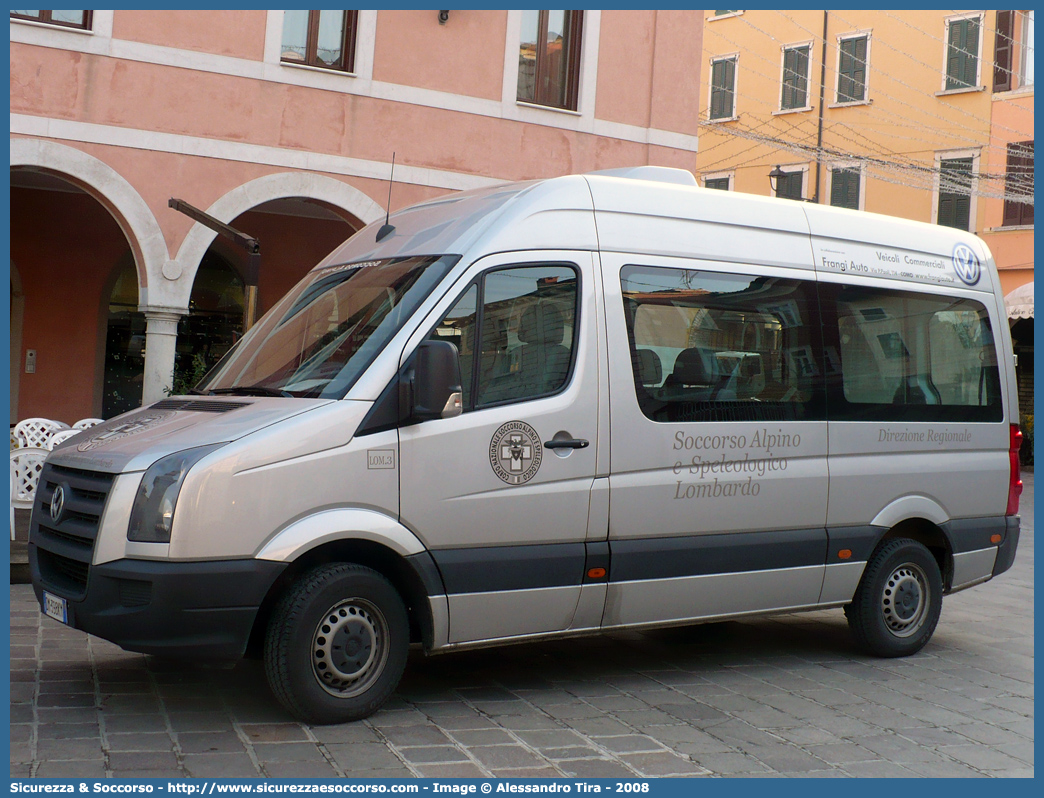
251,390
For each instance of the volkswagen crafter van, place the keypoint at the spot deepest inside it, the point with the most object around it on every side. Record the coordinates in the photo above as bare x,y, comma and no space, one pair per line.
598,402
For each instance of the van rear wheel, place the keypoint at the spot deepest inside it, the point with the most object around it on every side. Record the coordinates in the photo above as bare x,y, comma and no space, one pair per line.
898,602
336,644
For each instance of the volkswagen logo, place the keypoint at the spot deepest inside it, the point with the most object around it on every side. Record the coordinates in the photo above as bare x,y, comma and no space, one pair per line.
966,264
57,503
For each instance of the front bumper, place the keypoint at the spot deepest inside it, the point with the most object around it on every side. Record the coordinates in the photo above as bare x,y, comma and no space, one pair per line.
198,610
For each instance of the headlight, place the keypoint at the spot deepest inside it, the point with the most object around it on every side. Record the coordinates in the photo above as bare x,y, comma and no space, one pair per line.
152,514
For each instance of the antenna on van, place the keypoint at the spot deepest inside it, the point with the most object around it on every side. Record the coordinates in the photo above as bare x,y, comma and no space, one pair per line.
388,229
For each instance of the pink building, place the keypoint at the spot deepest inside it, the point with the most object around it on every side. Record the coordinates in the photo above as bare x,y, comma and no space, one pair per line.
283,125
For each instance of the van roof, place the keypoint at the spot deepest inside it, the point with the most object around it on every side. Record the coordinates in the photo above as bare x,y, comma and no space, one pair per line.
661,211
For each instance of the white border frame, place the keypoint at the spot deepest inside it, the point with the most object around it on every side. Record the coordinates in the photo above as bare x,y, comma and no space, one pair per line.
844,37
715,17
729,174
735,87
808,73
365,37
587,81
948,155
977,15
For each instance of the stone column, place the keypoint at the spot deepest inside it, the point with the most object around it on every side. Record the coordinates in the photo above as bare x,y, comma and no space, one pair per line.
161,335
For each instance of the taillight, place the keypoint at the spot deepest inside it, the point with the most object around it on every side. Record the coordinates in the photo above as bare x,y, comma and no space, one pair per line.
1015,472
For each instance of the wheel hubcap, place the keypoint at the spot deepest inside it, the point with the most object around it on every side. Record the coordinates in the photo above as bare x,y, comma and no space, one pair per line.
905,600
349,647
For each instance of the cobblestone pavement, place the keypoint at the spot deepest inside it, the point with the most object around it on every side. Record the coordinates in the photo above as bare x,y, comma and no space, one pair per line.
781,696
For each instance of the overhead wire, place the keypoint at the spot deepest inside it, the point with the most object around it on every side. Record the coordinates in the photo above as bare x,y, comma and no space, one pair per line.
903,166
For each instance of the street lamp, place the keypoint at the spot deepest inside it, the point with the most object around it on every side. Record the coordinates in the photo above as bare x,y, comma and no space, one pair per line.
774,177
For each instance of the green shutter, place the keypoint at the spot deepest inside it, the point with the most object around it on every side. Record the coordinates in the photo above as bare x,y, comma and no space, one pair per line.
844,188
716,93
955,177
720,183
723,75
795,78
789,186
962,53
851,84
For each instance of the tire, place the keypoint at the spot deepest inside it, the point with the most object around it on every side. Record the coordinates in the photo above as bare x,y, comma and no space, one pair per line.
898,601
336,644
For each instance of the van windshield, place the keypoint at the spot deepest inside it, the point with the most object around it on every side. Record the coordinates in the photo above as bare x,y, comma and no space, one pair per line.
321,336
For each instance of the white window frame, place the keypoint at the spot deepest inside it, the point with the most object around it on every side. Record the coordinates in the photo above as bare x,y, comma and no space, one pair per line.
522,111
808,77
981,17
948,155
791,169
735,87
101,26
844,37
715,17
856,166
729,175
365,35
1025,45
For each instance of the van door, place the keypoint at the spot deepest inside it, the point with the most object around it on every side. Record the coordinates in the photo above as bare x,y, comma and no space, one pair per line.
500,494
718,481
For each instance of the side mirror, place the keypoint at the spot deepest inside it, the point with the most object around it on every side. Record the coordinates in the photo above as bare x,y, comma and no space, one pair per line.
434,382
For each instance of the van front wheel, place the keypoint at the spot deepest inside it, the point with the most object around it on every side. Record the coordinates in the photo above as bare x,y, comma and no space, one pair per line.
336,644
898,602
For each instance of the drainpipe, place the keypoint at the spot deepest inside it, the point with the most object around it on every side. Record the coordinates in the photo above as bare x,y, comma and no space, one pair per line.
822,93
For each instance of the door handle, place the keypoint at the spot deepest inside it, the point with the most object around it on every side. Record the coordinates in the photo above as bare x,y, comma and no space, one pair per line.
567,443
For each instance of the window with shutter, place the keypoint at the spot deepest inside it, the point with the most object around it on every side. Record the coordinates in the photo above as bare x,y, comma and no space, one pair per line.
844,188
851,80
1003,51
790,186
720,183
955,180
1018,183
795,78
723,88
962,54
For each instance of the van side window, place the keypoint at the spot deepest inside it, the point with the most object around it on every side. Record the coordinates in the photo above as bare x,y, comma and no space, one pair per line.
707,346
514,329
460,328
906,356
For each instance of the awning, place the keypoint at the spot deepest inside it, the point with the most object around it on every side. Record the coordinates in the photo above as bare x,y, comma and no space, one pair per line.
1020,302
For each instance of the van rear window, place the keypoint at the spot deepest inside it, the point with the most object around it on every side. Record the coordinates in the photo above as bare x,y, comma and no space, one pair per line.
908,356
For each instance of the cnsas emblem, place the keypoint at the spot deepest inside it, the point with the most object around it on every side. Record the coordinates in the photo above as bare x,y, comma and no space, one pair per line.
966,264
515,452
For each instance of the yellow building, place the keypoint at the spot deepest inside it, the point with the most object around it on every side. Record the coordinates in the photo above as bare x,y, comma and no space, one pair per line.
926,115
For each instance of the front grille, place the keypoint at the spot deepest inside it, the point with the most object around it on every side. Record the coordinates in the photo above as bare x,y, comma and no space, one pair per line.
197,406
65,548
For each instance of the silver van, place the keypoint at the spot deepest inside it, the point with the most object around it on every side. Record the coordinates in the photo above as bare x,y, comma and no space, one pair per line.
597,402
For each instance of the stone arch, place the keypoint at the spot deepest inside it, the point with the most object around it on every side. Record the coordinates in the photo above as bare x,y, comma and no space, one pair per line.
284,185
108,187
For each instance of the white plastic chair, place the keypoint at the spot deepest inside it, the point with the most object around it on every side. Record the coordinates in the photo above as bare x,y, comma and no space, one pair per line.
26,465
61,435
84,423
12,503
35,432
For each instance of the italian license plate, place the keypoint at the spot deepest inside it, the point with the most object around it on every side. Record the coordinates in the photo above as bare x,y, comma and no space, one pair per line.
55,607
